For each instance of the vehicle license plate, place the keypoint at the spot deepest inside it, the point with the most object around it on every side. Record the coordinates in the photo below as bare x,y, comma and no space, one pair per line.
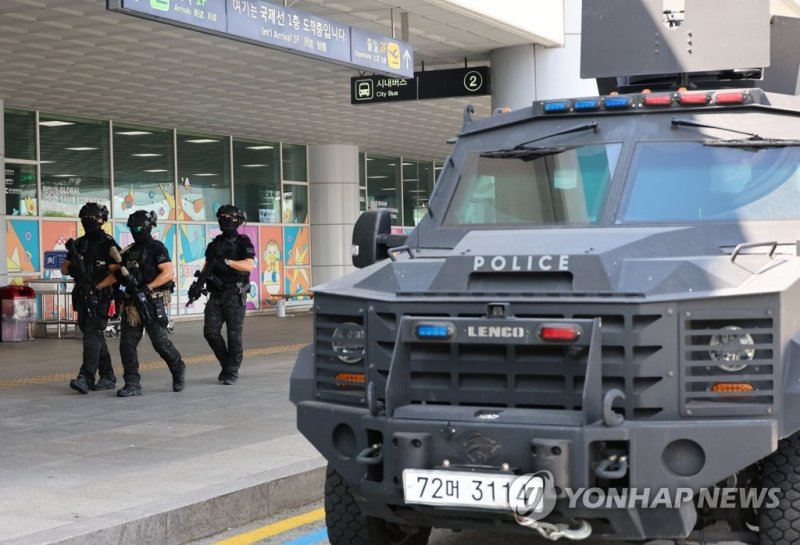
457,488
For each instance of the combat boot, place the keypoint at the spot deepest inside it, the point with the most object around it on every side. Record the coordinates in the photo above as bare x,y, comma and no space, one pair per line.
80,385
104,383
129,390
179,380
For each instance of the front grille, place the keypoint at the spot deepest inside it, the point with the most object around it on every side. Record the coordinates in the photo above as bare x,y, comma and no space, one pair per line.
535,376
701,362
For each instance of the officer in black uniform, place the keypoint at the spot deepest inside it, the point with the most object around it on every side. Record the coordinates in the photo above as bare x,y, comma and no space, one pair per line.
230,256
146,276
89,263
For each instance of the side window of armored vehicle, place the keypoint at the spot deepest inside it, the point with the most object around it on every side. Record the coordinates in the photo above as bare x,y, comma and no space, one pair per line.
555,187
693,181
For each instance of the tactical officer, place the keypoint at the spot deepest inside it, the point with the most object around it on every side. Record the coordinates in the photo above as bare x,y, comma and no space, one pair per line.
89,263
230,256
146,276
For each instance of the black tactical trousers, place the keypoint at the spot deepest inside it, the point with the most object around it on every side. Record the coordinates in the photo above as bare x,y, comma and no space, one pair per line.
226,307
129,340
95,350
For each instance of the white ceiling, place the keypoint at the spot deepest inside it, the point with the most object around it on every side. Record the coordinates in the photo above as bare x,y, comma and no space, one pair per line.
74,57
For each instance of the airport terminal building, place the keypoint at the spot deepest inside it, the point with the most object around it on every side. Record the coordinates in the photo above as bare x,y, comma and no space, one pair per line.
143,111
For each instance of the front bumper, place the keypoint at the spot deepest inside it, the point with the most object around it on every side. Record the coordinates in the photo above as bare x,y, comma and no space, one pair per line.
660,455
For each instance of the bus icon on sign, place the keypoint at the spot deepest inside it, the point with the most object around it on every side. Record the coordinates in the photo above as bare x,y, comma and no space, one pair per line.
363,89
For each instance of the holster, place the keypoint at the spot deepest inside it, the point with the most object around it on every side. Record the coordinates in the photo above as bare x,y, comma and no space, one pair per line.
159,301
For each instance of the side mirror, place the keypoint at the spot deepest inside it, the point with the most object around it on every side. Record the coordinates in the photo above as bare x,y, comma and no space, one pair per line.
369,232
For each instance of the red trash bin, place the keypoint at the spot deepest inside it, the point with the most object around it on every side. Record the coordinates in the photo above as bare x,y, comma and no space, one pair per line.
18,310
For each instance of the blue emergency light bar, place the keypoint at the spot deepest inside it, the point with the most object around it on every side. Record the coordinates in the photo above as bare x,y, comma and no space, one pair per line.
612,103
586,104
556,106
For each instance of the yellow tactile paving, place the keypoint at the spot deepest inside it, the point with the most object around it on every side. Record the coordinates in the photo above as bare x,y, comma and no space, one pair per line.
155,364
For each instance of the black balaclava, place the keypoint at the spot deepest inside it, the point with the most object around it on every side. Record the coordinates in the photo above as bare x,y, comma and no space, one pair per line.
142,236
90,224
228,227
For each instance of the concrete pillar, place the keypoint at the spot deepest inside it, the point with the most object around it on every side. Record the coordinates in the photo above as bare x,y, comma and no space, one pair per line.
513,74
524,73
333,203
3,234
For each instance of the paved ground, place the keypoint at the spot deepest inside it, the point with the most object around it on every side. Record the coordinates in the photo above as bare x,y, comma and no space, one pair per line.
162,468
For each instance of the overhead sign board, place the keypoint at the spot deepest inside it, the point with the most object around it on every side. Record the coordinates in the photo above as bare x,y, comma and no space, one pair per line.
424,85
279,27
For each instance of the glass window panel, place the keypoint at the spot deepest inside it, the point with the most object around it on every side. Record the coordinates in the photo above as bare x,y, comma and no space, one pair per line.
295,203
20,127
204,178
294,163
437,170
362,199
257,180
383,185
362,171
144,175
74,164
417,187
20,189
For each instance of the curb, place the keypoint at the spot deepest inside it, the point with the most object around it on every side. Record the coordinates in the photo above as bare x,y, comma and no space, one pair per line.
195,515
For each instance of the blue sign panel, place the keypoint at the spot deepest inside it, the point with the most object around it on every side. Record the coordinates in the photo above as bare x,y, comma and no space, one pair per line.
290,28
271,25
54,260
381,53
201,13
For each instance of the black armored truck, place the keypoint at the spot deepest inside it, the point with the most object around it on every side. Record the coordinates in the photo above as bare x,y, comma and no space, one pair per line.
602,303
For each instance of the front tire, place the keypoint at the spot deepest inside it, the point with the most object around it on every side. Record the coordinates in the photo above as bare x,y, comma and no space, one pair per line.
780,525
348,526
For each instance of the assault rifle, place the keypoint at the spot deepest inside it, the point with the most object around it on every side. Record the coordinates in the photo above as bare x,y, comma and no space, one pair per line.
206,275
131,284
84,287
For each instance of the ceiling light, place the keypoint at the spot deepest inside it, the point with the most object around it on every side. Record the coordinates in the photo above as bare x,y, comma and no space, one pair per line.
146,155
377,177
408,164
81,148
410,179
205,174
155,170
254,166
387,189
202,141
43,162
260,147
134,133
64,175
55,123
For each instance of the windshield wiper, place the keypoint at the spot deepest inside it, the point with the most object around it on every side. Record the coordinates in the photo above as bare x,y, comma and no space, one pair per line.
526,153
678,122
592,125
771,143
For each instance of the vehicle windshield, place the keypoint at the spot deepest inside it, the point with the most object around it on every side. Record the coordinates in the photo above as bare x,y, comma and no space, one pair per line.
561,186
688,181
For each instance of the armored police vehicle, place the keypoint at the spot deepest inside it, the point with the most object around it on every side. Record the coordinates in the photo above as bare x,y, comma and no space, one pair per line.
603,296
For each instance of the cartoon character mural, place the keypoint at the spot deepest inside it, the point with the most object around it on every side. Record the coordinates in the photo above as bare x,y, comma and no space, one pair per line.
54,238
271,257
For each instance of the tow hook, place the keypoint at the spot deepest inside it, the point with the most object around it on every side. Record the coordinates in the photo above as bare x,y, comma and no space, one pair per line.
612,468
555,532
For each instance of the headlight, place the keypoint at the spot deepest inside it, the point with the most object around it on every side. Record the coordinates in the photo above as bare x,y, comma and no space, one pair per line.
348,342
732,348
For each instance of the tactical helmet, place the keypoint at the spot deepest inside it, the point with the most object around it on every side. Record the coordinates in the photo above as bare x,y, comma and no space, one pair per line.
94,209
142,220
239,215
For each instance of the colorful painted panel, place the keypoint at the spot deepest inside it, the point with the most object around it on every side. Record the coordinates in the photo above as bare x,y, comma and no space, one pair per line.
191,256
297,251
155,197
22,246
298,283
270,256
